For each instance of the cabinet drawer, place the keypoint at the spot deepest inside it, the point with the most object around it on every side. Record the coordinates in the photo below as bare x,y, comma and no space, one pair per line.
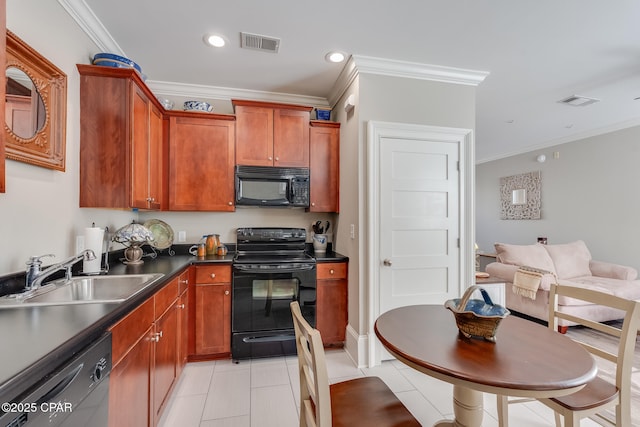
213,274
332,270
128,330
165,297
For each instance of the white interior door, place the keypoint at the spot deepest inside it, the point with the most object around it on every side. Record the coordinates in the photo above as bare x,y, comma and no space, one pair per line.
416,221
419,222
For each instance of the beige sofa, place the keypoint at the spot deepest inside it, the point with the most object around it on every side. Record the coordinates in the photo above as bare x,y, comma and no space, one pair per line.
572,265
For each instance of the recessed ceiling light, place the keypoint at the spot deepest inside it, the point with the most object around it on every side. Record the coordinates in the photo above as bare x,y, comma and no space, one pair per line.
214,40
335,56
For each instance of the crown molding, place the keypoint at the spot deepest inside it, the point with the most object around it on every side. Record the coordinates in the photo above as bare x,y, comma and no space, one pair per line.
358,64
225,93
91,25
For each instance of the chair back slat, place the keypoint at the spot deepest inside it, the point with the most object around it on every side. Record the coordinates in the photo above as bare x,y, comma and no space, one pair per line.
315,400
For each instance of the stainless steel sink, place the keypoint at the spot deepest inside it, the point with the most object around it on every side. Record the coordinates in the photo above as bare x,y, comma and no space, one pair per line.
83,290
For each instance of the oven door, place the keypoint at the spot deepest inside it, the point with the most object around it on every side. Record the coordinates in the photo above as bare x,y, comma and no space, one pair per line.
261,316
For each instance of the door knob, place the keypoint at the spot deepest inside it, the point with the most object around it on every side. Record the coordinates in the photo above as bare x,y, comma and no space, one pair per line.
387,262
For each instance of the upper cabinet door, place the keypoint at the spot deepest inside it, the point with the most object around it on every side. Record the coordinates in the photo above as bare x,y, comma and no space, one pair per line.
269,134
254,136
291,138
201,162
325,166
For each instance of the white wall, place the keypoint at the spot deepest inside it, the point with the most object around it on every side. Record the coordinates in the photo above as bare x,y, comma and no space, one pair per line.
389,99
39,213
590,193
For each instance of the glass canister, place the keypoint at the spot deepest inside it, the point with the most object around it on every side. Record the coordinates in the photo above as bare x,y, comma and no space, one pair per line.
212,243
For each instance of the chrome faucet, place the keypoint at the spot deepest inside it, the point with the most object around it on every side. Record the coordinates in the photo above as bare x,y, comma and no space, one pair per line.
35,276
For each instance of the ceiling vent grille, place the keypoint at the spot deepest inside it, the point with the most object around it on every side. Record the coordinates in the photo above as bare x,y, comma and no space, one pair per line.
578,101
258,42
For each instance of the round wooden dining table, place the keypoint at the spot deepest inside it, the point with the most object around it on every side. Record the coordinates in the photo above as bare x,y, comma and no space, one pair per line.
527,359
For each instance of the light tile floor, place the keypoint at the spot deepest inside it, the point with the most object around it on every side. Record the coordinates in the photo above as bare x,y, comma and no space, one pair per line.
265,393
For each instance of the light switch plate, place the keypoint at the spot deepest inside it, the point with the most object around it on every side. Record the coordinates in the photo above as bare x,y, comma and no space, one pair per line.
182,236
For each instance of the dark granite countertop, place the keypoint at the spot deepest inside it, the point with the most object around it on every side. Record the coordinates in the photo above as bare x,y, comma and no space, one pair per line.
40,339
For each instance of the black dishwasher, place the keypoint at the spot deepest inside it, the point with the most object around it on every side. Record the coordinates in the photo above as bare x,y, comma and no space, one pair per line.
74,395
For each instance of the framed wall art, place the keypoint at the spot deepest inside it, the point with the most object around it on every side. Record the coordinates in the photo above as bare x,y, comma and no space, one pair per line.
520,196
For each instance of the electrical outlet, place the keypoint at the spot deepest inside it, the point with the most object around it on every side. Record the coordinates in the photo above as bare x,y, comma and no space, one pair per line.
352,231
182,236
79,244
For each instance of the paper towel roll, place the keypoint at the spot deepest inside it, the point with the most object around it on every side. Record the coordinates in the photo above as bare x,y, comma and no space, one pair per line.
93,239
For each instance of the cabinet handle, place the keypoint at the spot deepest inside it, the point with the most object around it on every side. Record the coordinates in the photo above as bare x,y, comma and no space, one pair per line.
387,263
226,292
230,203
313,204
181,306
186,281
331,271
213,275
156,337
151,199
270,158
277,158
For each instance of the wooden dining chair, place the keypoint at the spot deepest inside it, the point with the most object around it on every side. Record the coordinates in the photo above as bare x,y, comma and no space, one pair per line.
365,401
599,394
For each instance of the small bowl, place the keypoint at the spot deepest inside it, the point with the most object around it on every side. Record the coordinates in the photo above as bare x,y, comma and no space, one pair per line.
110,58
198,106
167,104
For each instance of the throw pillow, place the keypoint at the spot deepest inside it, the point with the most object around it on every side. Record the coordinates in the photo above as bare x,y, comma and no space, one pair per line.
570,259
524,255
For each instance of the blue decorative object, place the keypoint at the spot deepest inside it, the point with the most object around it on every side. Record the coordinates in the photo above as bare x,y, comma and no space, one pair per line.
112,60
198,106
323,113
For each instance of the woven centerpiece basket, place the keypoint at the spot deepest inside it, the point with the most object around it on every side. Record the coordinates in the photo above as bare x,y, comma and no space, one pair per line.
477,318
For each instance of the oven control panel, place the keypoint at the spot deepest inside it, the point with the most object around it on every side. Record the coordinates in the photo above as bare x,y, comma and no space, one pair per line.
259,234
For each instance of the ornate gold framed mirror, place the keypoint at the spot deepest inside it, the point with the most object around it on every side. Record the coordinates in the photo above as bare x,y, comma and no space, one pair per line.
36,107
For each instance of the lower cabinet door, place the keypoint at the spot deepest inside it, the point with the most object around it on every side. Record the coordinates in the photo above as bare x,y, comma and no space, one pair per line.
166,352
129,386
213,318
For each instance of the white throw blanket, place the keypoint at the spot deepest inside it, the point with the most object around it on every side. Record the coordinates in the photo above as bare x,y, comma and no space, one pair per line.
527,281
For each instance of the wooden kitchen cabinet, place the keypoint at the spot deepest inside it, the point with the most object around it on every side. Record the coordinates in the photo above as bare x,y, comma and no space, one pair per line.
212,310
131,375
201,162
324,162
166,346
271,134
121,140
332,302
183,321
146,359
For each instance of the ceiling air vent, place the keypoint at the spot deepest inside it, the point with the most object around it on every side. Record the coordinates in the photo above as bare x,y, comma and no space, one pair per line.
578,101
258,42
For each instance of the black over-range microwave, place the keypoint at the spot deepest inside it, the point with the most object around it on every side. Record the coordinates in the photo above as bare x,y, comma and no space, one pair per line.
272,186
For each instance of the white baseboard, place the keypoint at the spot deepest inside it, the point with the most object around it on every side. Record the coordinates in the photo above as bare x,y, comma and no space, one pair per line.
356,346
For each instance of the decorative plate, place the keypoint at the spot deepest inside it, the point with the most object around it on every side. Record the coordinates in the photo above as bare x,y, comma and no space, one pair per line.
162,233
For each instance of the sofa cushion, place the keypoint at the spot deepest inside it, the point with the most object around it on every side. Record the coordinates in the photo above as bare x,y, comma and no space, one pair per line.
627,289
570,259
528,255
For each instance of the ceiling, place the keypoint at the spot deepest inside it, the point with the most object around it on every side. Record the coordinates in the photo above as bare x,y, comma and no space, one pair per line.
536,53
